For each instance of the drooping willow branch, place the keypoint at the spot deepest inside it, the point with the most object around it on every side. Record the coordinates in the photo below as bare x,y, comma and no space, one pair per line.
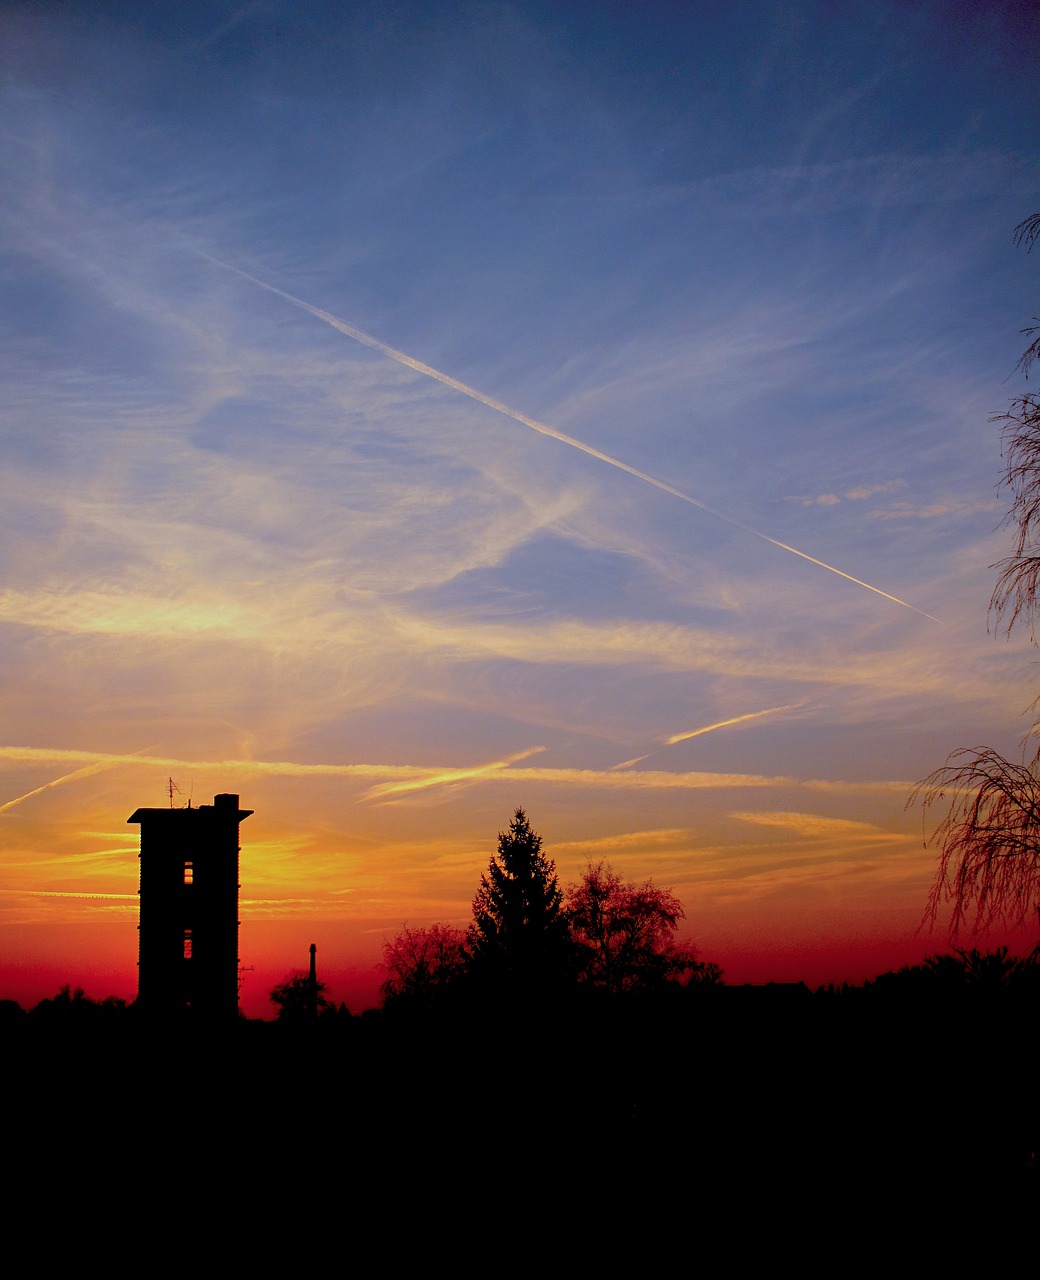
1015,595
1018,578
989,840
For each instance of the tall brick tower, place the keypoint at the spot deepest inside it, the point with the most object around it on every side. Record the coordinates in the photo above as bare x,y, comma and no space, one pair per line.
188,948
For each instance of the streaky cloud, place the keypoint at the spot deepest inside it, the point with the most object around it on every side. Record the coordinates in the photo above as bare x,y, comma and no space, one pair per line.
471,774
631,779
544,429
86,772
880,181
724,724
709,728
627,764
58,893
820,826
634,841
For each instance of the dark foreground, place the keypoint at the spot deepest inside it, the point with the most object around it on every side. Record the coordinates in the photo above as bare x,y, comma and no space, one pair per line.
739,1092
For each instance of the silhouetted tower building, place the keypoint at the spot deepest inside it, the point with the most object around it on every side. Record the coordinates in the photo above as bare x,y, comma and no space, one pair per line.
188,948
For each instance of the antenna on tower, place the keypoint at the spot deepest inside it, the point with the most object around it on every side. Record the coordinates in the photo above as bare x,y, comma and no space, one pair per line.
173,787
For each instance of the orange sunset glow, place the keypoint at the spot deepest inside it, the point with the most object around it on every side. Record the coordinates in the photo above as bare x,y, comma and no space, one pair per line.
414,416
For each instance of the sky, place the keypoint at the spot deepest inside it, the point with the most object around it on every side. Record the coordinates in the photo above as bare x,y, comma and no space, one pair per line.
416,411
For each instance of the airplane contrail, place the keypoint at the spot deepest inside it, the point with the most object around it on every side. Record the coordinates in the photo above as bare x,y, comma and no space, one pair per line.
709,728
85,772
55,893
446,776
627,764
544,429
722,724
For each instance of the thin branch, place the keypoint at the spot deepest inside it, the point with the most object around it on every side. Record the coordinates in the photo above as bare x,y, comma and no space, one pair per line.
989,840
1028,231
1015,594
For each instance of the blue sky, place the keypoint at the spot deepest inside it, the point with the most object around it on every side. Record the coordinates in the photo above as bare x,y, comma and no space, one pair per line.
763,256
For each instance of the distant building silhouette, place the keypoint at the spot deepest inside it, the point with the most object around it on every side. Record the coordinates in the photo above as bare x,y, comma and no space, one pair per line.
188,949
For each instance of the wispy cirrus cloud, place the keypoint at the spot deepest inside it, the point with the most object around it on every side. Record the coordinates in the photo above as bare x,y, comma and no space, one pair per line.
878,181
405,778
939,509
859,493
816,826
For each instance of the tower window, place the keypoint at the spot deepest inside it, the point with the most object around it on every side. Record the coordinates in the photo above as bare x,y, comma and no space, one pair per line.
188,872
187,944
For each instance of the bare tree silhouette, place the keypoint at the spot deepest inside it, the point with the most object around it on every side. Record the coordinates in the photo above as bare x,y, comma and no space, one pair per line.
422,963
624,934
299,998
989,840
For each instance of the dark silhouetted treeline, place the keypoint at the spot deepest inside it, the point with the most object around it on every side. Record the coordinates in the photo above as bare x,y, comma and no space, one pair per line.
531,942
568,1033
927,1068
731,1112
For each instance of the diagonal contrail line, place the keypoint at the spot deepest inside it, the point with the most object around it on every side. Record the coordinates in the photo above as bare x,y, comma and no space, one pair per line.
544,429
86,772
472,773
725,724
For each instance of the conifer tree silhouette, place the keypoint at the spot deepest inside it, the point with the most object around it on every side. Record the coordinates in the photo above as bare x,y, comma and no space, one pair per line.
519,939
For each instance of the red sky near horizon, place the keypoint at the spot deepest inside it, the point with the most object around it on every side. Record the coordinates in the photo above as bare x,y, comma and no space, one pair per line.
762,915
